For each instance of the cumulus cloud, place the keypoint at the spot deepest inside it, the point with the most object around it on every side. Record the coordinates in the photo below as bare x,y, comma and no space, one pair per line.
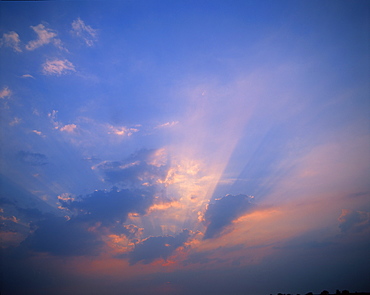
83,31
354,221
146,167
5,92
154,248
11,40
223,211
44,36
58,67
62,237
32,159
108,207
91,219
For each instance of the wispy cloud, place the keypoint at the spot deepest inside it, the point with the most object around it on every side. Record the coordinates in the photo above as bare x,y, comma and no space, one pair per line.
27,76
83,31
58,67
15,121
5,92
121,130
11,40
44,36
167,124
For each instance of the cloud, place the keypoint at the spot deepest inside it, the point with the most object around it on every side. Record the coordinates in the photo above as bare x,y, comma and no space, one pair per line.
167,124
83,31
58,67
69,128
154,248
5,92
11,40
15,121
122,131
146,167
92,218
32,159
107,207
223,211
44,36
62,237
38,133
354,221
27,76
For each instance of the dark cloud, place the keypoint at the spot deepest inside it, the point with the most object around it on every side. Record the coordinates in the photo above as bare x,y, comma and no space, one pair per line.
354,221
33,159
109,207
60,237
157,247
92,217
223,211
136,170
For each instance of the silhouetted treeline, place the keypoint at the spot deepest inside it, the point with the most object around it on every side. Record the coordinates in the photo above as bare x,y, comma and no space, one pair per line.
325,292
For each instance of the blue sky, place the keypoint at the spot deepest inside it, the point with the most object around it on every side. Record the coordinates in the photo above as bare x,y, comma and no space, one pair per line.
149,144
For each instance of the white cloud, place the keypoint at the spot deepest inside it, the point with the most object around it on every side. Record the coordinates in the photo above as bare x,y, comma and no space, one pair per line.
45,36
53,119
168,124
122,130
69,128
83,31
38,133
27,76
11,40
5,92
58,67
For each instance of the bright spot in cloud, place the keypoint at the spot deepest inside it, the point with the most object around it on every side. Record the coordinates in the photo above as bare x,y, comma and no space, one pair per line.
5,92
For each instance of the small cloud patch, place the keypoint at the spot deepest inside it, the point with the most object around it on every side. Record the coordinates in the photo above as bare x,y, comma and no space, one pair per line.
83,31
58,67
11,40
5,92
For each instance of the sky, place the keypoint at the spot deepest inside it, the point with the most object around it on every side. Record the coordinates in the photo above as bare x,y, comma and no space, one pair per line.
184,147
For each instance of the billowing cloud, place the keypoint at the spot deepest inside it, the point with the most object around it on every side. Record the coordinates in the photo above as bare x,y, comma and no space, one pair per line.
354,221
62,237
44,36
154,248
33,159
108,207
11,40
83,31
58,67
5,92
145,167
223,211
